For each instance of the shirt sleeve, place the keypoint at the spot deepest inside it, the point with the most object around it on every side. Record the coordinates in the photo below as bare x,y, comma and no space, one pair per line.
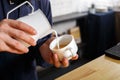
34,51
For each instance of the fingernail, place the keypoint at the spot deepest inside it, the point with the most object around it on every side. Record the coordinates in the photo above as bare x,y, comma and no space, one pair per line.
34,31
34,43
26,50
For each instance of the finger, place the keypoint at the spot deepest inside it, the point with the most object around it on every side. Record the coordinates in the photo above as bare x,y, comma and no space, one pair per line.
65,62
75,57
20,25
20,35
4,47
12,50
56,61
14,44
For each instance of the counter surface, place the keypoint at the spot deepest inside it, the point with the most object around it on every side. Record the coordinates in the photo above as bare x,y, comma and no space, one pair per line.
102,68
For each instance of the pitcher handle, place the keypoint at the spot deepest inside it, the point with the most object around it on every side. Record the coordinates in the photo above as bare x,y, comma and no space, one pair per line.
26,2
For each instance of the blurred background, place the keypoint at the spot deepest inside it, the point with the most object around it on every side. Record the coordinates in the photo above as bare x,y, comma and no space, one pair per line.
95,25
62,7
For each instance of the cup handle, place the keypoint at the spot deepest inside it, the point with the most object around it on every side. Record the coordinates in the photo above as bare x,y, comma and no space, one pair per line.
71,55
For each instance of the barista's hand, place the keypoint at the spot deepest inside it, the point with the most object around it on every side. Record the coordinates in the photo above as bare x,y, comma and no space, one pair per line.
51,58
11,31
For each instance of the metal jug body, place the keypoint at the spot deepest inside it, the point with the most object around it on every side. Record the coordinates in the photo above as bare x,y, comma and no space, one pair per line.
37,20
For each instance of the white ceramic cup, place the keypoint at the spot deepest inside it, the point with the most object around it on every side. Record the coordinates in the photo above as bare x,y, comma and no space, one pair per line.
68,47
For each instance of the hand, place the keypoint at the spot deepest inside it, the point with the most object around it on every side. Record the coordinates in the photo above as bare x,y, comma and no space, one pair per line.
11,31
51,58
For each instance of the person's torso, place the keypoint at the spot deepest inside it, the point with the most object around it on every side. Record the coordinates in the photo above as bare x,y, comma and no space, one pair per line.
13,66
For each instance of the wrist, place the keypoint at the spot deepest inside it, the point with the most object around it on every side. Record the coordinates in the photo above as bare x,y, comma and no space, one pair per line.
50,40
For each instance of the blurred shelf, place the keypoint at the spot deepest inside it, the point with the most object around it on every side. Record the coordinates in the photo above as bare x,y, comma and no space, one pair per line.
67,17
